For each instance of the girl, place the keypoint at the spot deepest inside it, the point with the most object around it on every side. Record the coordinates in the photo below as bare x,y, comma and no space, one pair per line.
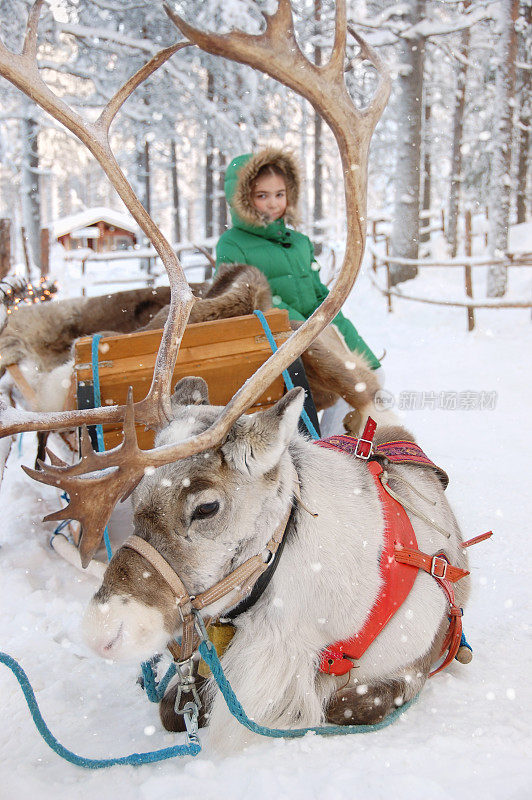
262,190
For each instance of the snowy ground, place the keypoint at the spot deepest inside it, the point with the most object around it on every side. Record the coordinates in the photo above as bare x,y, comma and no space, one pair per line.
469,732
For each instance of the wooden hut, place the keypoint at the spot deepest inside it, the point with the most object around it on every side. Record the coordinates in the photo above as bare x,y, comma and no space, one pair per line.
100,229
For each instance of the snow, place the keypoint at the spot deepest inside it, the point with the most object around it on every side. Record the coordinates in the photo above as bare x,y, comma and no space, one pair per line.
88,217
520,238
470,730
115,271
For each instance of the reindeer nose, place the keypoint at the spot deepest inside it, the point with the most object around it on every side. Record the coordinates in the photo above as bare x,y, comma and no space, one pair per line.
124,629
102,630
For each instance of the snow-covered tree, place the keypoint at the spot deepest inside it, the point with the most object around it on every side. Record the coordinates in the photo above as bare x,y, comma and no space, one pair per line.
407,178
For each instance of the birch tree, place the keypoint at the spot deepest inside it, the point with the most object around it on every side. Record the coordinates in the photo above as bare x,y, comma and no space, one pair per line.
30,190
457,133
500,179
525,110
407,178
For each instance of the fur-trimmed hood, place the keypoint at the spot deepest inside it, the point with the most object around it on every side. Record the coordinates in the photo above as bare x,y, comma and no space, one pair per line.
240,175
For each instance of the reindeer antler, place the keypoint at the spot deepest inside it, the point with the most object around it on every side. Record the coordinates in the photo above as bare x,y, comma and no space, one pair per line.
92,496
277,53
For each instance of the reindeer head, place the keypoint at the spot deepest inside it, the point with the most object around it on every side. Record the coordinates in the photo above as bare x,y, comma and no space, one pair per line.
205,514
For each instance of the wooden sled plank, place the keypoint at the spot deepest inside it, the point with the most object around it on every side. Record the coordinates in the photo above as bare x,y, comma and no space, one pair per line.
223,352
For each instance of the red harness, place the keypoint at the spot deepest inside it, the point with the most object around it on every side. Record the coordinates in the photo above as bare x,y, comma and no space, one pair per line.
400,553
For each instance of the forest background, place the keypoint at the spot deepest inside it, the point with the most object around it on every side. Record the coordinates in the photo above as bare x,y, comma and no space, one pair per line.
455,135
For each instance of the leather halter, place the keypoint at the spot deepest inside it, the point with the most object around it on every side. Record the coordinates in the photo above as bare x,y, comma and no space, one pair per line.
239,582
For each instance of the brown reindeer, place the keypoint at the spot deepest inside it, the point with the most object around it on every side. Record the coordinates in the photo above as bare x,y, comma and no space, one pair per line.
41,337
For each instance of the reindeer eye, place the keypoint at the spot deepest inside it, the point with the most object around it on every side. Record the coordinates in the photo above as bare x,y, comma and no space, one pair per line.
206,510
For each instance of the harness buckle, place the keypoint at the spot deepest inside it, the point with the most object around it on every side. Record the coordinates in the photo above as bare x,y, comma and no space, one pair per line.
186,674
438,563
190,716
180,608
363,455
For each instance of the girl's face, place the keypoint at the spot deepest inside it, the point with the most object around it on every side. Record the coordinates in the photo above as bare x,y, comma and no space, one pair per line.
269,196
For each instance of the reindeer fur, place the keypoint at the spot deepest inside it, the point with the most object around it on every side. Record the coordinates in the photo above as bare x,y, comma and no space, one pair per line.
324,585
40,338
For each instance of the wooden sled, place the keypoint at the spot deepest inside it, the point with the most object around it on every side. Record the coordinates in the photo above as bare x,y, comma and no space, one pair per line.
224,352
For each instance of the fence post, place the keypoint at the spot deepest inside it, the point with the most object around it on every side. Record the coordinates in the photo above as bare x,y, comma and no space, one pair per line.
5,247
45,252
26,251
388,279
443,221
374,234
467,270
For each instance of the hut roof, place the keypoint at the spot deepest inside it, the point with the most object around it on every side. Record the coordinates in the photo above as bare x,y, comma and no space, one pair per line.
84,219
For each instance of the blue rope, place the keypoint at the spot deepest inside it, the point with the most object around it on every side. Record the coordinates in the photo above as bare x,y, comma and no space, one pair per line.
287,379
464,642
99,429
156,691
135,759
209,655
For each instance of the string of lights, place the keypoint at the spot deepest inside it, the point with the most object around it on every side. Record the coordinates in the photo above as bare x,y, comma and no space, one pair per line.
17,292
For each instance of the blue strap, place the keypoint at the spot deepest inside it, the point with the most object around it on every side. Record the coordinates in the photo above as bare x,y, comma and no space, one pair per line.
99,429
134,759
287,379
209,655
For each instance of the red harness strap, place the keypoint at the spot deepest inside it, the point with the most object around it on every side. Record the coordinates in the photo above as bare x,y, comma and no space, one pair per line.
400,552
445,575
397,580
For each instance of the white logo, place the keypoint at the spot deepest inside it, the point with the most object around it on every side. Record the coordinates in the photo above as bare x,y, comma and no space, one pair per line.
383,400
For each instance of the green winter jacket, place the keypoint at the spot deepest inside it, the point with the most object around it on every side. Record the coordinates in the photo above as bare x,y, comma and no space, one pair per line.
286,257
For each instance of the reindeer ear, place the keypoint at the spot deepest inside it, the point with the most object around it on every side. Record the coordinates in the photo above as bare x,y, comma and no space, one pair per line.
191,392
255,444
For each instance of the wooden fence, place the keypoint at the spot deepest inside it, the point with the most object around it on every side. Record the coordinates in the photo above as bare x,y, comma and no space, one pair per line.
152,272
466,263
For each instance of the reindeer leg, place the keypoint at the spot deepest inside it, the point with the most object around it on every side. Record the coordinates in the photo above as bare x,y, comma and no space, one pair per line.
42,440
351,707
358,703
334,371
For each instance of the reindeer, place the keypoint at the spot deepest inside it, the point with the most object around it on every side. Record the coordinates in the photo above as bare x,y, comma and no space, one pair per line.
208,513
39,339
222,495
